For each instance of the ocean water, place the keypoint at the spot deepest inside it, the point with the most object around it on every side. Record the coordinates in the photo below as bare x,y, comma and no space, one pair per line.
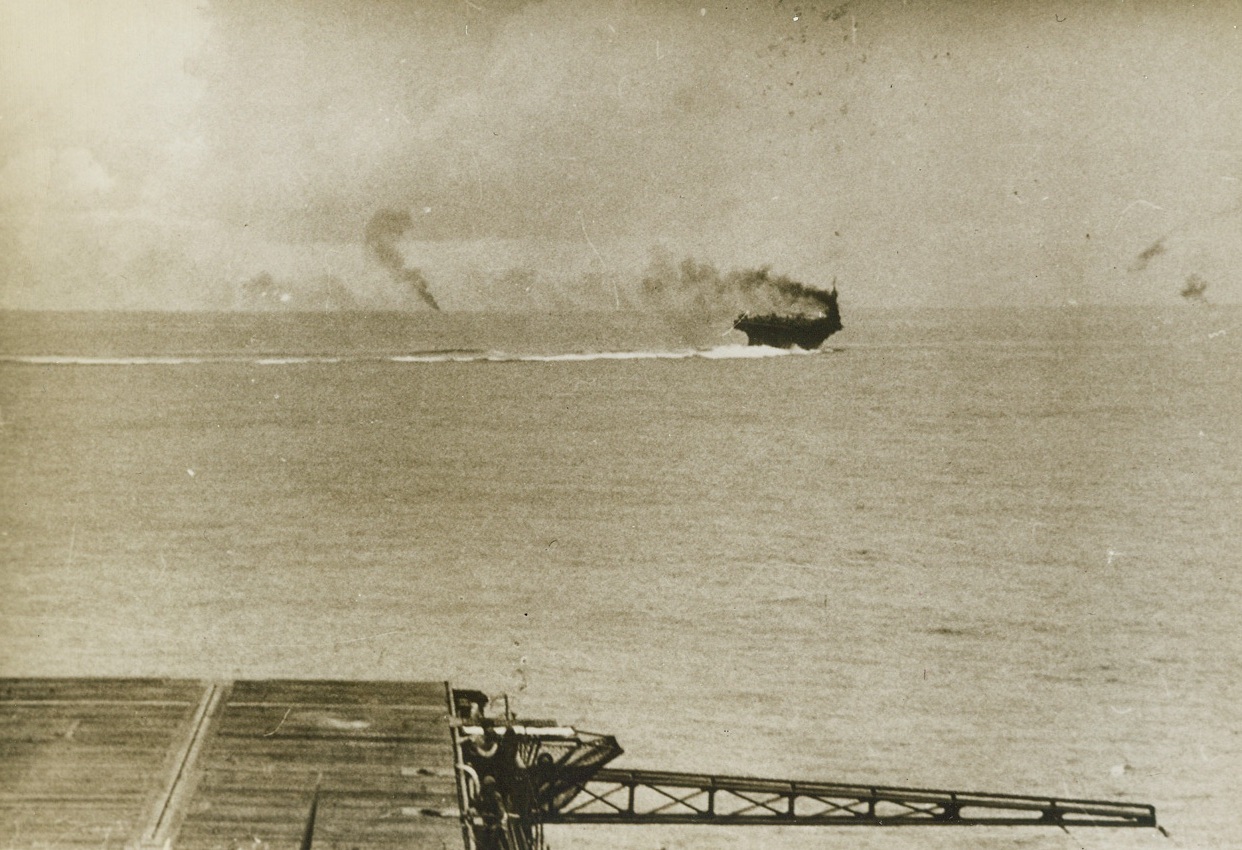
995,551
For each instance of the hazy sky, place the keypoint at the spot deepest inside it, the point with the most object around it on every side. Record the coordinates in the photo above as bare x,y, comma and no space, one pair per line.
210,154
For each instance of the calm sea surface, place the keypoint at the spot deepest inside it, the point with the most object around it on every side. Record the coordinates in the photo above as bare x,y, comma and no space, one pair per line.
994,552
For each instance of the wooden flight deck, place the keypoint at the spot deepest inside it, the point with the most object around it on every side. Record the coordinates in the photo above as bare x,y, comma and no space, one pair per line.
193,765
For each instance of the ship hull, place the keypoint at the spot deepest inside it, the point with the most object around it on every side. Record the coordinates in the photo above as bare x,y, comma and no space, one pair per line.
787,331
793,330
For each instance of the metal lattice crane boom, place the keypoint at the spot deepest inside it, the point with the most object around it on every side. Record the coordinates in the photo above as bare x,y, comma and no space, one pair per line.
658,797
517,778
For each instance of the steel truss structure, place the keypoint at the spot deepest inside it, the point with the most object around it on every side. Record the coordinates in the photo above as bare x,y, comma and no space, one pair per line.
658,797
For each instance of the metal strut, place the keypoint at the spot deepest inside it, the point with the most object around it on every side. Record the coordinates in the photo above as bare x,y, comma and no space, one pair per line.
658,797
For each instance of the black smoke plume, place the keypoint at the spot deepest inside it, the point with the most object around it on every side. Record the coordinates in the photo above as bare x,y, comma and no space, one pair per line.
382,233
1195,288
1148,254
700,287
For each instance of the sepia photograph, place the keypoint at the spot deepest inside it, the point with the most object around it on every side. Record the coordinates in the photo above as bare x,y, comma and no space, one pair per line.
620,424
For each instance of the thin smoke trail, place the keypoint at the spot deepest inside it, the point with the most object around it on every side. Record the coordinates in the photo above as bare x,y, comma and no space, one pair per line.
381,235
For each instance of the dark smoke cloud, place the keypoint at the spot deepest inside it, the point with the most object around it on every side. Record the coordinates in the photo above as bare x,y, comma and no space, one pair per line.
1148,254
1195,288
382,233
700,287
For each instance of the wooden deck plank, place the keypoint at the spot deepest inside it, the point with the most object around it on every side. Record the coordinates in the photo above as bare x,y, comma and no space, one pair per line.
331,779
354,720
100,690
408,834
52,825
67,783
236,816
338,692
85,729
281,748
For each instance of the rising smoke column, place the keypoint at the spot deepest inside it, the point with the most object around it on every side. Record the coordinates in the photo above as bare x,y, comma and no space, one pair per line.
382,233
700,287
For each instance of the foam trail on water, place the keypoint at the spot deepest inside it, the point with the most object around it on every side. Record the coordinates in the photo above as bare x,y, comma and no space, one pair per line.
73,360
578,357
295,361
721,352
750,352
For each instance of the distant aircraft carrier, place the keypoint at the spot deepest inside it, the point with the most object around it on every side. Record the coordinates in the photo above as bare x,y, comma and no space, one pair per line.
787,330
